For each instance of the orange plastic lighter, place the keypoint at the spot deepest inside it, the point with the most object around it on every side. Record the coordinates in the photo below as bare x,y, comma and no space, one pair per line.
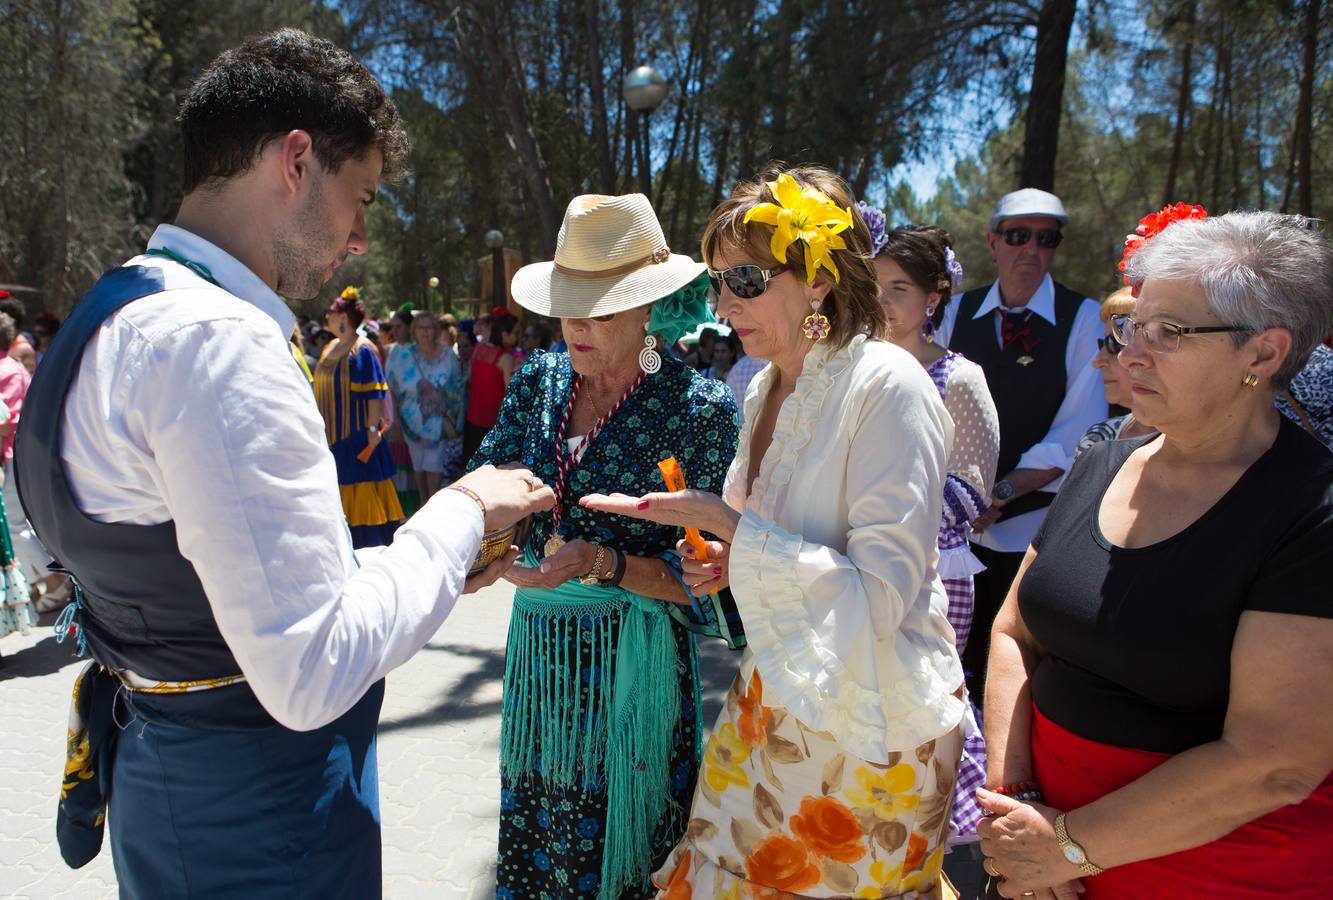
675,481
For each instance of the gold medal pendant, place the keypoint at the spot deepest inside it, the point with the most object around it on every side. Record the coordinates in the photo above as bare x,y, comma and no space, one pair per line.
553,545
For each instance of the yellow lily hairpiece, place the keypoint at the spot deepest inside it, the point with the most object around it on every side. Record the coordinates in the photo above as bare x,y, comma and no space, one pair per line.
351,293
806,215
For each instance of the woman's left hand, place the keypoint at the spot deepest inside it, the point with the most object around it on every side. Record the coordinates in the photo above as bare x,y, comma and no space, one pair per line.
684,509
571,561
1018,841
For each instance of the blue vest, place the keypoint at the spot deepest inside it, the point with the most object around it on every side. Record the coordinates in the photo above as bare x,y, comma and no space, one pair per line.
142,606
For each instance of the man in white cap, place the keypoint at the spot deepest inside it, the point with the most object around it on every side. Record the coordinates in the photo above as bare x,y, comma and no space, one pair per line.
1035,339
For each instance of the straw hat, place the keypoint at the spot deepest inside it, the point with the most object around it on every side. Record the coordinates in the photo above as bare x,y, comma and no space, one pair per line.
611,256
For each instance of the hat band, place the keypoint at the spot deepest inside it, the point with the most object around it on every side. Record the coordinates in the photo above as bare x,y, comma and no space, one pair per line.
660,255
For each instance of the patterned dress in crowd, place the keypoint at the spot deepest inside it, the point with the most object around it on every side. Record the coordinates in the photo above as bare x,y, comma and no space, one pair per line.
976,448
567,805
426,393
343,389
16,610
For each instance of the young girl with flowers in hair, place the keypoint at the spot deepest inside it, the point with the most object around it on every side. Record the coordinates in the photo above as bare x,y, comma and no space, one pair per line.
917,272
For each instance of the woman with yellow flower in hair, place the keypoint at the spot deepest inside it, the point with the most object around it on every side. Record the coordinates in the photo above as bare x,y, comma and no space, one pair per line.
830,772
350,388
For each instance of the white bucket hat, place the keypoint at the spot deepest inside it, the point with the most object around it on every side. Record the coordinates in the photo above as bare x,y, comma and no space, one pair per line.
610,256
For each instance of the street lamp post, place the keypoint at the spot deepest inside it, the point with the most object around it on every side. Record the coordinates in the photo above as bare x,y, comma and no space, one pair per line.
644,91
433,283
495,240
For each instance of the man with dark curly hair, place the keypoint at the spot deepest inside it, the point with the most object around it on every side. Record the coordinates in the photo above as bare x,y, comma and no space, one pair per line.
175,463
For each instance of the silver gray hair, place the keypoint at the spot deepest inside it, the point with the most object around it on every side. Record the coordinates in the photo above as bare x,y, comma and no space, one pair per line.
1256,269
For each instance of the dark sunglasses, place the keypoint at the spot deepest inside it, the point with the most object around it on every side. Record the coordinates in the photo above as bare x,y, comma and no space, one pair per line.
1110,344
746,282
1047,238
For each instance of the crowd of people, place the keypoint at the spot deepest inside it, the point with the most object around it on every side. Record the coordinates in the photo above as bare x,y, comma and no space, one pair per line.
1013,572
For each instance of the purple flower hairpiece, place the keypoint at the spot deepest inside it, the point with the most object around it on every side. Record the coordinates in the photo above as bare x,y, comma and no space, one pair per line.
877,223
954,268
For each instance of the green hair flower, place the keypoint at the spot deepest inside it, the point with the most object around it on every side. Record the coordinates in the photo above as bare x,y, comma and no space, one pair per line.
679,313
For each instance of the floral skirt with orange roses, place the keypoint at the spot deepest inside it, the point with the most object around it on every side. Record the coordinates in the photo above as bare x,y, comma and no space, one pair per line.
782,811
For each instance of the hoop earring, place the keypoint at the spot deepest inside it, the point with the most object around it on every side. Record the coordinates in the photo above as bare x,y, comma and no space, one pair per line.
1251,381
816,325
928,326
649,359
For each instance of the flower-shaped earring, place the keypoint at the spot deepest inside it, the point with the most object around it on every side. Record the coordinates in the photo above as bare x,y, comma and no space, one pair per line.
816,325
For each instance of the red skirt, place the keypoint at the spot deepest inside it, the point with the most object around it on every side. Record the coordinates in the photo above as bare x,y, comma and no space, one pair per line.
1287,853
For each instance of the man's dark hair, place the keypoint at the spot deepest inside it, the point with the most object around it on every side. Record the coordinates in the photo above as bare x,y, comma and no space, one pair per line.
282,81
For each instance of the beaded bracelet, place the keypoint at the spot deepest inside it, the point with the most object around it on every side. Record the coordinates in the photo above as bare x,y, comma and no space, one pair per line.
1023,792
476,498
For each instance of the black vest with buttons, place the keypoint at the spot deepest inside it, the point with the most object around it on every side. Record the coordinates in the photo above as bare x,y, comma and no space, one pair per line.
142,606
1027,386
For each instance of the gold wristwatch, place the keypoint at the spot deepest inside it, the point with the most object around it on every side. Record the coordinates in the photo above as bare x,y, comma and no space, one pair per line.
1073,851
592,576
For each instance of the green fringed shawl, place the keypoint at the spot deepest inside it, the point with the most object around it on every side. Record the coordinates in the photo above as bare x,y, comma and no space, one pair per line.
625,735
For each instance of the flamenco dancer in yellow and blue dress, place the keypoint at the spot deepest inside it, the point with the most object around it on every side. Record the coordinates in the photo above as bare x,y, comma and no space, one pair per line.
350,388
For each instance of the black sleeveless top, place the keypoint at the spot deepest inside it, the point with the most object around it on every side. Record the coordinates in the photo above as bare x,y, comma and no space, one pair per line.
1139,641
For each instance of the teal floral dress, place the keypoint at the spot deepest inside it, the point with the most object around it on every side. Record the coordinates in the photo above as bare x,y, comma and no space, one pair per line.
554,829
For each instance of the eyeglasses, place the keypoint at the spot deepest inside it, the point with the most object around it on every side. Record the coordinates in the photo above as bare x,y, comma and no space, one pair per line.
1110,344
746,282
1162,337
1047,238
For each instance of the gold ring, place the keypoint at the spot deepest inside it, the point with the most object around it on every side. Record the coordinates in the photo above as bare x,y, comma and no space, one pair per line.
1029,893
989,866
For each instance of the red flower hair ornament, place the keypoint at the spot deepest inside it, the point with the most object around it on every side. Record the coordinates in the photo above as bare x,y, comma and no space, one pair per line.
1154,224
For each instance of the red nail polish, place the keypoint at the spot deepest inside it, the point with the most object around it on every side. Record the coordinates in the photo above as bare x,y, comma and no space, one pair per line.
716,570
643,504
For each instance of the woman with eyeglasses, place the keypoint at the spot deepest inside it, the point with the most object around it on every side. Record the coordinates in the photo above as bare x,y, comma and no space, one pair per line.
830,771
1162,672
1115,380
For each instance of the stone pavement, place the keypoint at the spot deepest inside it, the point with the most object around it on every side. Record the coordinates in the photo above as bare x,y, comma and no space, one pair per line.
439,742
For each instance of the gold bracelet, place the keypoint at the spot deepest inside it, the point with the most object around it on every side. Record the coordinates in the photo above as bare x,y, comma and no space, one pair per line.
476,498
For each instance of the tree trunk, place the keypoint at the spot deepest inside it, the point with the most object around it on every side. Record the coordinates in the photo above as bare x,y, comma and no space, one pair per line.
1042,134
1305,109
1183,104
597,90
522,138
629,171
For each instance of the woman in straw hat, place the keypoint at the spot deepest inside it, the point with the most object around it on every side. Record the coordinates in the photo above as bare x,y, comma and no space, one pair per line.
830,771
600,743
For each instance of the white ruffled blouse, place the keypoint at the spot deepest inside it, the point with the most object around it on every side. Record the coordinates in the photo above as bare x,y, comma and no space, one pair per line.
833,564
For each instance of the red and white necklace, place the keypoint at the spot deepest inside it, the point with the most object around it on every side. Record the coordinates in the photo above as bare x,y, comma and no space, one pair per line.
566,460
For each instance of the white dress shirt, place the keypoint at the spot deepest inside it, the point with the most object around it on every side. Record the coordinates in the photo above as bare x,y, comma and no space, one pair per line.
188,406
1084,403
833,564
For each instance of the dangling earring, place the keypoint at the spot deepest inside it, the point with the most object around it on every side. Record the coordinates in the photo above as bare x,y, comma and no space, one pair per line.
649,359
928,326
816,325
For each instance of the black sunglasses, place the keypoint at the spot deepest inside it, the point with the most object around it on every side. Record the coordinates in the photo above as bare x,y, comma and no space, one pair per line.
746,282
1047,238
1110,344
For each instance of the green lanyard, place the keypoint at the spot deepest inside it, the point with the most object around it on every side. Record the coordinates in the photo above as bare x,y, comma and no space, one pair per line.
197,268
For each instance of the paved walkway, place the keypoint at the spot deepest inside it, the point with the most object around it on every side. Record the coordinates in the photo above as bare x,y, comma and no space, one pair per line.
439,741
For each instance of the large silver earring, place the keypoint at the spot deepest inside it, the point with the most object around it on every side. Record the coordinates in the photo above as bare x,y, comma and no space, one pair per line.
649,359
